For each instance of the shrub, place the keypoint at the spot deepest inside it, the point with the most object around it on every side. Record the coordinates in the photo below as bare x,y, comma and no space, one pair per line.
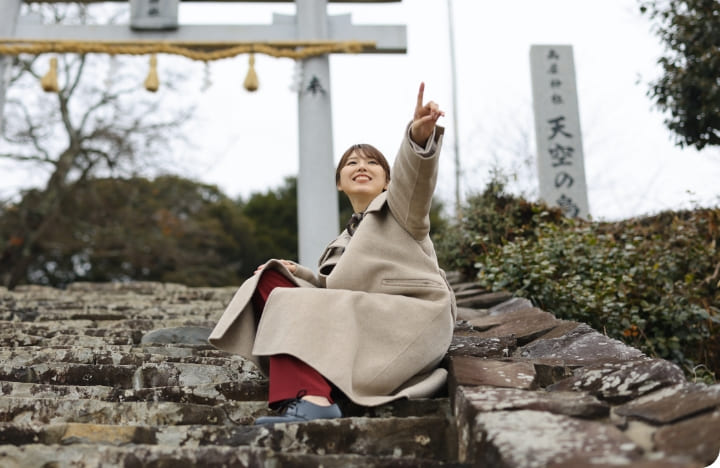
652,282
489,219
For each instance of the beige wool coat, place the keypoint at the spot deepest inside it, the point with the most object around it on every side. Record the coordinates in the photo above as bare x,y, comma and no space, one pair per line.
378,318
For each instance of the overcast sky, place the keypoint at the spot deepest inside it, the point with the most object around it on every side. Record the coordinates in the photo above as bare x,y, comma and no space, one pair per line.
247,142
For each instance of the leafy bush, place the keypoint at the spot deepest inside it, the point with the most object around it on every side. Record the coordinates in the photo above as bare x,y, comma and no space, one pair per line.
652,282
489,219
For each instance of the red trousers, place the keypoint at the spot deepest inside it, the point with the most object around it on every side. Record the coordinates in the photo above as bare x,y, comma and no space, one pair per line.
289,376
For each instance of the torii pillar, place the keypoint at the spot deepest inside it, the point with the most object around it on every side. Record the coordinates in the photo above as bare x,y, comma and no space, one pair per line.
317,194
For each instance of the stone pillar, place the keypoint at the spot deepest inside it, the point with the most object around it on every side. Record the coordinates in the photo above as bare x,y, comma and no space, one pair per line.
561,167
317,193
8,20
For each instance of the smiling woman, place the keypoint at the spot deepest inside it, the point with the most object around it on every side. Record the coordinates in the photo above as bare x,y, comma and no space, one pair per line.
376,321
362,173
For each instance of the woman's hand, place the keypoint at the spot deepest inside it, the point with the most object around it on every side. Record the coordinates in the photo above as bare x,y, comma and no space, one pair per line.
424,119
291,266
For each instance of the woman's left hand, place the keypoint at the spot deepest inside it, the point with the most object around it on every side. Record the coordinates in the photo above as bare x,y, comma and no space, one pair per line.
291,266
424,119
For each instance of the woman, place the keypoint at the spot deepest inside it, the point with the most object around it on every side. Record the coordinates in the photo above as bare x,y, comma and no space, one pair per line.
378,318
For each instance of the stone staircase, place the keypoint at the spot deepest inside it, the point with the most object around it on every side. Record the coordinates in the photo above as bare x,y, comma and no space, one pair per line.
120,375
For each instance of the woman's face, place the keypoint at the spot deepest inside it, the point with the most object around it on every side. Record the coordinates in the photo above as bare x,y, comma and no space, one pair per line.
362,176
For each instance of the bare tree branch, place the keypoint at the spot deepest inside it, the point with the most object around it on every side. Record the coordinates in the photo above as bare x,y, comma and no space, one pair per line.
19,157
70,90
87,129
31,134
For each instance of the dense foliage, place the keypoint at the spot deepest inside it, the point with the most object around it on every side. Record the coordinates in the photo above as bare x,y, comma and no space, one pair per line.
169,229
274,216
652,282
689,88
489,219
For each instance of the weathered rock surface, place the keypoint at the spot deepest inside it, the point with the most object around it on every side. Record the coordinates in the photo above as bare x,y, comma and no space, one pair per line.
673,403
120,375
187,335
580,346
623,381
524,324
479,299
537,438
468,371
698,436
482,399
473,345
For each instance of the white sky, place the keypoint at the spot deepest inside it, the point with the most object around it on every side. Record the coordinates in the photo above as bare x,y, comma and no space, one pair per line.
247,142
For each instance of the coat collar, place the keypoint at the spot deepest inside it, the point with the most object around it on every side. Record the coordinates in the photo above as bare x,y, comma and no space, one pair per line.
377,203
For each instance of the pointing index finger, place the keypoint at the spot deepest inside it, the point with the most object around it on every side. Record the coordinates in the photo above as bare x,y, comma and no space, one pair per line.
420,94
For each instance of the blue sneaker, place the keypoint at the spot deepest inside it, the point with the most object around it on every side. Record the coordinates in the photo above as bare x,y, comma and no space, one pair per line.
301,411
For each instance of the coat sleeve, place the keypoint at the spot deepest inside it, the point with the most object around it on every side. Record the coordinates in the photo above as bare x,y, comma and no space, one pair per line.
412,184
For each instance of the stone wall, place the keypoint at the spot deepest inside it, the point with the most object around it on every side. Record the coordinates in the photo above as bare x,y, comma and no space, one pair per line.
121,375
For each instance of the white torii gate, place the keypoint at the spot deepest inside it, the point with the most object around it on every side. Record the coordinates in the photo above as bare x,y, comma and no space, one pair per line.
317,195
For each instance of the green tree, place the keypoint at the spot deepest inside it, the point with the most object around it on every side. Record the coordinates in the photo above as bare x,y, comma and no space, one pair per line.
689,88
274,217
169,229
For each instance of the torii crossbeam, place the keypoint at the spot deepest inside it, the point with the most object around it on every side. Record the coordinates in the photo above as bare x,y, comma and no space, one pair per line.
317,195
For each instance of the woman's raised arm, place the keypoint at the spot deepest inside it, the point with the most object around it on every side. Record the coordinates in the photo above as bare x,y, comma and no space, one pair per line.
414,172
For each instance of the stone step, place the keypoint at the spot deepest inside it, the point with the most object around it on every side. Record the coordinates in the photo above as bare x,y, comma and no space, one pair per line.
133,356
59,392
119,354
108,292
205,394
426,407
131,408
163,374
185,350
131,456
174,314
211,394
85,336
46,411
429,437
9,328
481,299
30,355
97,310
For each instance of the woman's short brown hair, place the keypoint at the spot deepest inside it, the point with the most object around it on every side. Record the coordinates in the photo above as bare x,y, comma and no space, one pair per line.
370,152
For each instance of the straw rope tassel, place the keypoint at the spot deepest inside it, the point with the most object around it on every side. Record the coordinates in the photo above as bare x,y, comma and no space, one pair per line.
49,82
151,82
251,80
